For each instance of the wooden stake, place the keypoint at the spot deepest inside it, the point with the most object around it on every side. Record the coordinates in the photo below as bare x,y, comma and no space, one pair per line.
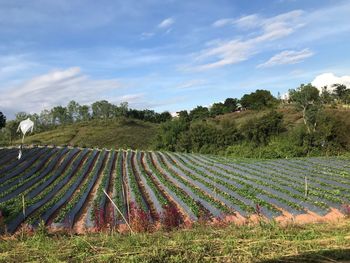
110,199
24,208
306,188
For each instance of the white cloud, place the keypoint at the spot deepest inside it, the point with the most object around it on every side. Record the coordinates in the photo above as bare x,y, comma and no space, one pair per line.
287,57
244,22
56,88
223,22
191,84
328,79
146,35
237,50
166,23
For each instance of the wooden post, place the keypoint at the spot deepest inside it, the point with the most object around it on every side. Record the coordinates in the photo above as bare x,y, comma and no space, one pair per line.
24,208
306,188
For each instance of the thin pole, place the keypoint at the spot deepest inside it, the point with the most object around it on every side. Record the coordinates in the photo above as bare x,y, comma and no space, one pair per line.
110,199
24,208
306,188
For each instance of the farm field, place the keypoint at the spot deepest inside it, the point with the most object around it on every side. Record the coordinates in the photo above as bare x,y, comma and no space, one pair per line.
63,187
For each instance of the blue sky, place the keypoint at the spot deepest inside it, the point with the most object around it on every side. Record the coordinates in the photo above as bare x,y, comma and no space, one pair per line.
165,55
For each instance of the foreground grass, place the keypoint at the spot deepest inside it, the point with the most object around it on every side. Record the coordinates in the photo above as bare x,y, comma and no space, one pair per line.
264,243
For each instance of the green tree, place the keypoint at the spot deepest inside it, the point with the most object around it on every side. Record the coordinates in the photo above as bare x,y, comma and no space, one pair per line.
199,112
102,109
326,96
2,120
60,115
73,110
260,99
231,105
217,109
11,127
84,112
183,115
20,116
340,90
259,130
164,116
307,99
169,134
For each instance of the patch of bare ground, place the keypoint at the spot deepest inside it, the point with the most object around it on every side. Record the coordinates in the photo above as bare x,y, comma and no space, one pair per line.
79,225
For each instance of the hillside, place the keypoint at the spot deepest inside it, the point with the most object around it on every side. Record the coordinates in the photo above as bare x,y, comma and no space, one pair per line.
291,116
136,134
120,133
64,188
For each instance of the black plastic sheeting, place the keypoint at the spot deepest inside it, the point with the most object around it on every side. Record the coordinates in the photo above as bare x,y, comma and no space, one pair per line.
15,223
34,170
33,181
60,170
26,155
48,213
7,155
72,215
25,166
20,188
111,164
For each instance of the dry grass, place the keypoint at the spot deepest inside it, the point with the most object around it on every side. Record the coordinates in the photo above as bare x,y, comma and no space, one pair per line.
264,243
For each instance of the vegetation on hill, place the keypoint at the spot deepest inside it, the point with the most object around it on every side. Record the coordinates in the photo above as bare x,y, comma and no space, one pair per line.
258,125
117,133
305,125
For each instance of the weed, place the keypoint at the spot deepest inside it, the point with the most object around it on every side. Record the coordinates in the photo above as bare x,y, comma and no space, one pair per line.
171,218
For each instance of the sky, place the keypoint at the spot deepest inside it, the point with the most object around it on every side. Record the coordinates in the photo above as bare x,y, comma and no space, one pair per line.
166,54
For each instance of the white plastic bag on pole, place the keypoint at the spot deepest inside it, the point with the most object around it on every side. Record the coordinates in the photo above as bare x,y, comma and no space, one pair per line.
24,126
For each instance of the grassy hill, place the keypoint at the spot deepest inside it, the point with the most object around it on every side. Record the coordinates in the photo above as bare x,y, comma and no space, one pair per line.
122,133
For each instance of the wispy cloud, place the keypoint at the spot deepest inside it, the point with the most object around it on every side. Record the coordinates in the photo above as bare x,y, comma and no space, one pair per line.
245,22
56,88
166,23
193,83
287,57
237,50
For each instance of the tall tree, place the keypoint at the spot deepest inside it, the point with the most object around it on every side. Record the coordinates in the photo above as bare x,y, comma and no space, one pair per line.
2,120
217,109
102,109
199,112
59,115
307,99
84,112
231,104
258,100
73,110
